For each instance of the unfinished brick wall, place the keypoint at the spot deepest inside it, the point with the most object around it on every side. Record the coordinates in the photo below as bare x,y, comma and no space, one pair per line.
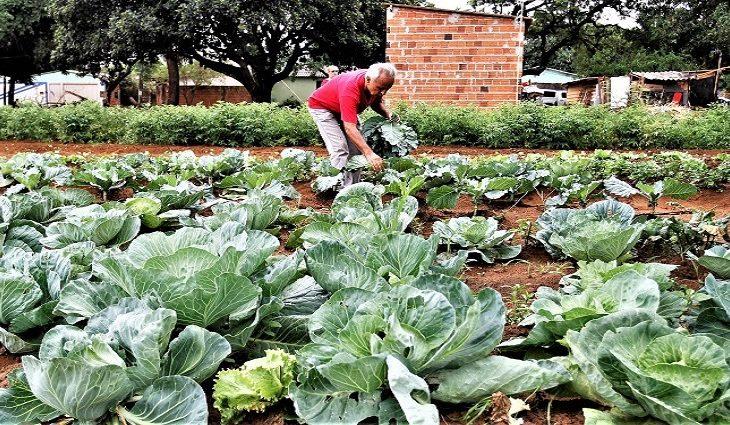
454,57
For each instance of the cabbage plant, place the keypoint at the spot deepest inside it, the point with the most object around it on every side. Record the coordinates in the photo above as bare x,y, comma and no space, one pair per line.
358,214
95,223
477,235
603,231
633,361
328,178
218,280
105,175
257,211
594,274
427,340
554,313
388,138
32,171
23,216
481,179
596,290
717,260
30,285
166,205
122,366
669,187
711,315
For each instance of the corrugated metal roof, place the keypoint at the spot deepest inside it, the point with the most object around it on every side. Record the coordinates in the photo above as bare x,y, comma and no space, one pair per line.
307,73
585,80
551,76
70,77
665,75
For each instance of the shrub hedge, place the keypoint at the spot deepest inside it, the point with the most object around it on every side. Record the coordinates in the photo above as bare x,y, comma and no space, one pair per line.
525,125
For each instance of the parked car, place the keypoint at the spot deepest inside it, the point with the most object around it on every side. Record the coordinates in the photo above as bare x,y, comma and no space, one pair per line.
545,96
554,97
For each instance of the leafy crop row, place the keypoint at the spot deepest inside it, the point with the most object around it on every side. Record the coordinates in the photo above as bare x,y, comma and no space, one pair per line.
521,126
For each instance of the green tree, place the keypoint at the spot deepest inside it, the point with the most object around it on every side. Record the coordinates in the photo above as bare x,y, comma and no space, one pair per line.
260,43
616,54
107,38
559,25
697,28
25,40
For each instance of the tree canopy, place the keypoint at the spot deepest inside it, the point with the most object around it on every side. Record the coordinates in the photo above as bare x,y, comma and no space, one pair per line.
25,39
664,34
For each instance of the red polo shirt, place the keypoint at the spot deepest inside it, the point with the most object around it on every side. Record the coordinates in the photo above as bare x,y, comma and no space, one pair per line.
344,95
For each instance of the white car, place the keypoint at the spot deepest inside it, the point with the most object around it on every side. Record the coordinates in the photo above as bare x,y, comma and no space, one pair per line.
545,96
554,97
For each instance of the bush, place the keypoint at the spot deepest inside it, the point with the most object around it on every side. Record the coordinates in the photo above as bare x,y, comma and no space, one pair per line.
527,125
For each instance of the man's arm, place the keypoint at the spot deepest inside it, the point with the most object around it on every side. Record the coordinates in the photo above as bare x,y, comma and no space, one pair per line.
354,135
380,108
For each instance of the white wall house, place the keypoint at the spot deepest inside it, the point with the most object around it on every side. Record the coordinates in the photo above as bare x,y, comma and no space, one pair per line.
54,88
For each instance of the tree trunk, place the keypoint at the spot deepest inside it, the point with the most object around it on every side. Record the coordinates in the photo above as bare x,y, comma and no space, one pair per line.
11,92
261,92
110,87
173,78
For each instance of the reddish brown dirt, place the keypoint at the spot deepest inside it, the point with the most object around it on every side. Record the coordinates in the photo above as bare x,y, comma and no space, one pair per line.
717,200
562,412
8,363
10,147
532,269
309,199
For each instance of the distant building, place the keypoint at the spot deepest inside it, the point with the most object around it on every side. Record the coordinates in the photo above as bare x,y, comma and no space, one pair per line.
57,88
588,91
454,57
547,86
686,88
219,89
549,78
295,89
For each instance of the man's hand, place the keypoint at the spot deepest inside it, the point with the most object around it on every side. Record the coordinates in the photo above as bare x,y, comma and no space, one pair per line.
375,161
394,118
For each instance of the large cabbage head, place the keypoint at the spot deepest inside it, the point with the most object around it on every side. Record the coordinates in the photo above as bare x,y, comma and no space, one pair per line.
633,361
603,231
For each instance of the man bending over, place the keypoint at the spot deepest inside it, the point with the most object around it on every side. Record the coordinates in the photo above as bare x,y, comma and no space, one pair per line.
335,107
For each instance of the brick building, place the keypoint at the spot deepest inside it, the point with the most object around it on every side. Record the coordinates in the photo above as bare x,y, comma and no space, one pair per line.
220,89
446,56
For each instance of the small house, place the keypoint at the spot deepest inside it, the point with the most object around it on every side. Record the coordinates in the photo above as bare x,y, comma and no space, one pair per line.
59,88
588,91
549,78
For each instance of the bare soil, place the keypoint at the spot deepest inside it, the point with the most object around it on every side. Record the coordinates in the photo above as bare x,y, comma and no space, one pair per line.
11,147
532,269
8,363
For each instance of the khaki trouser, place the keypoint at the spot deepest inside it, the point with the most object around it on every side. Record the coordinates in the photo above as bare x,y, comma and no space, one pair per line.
338,146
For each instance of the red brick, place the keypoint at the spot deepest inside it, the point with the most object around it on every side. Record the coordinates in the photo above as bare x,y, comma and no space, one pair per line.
479,62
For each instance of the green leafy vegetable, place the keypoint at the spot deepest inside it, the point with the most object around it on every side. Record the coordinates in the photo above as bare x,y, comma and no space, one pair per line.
253,387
